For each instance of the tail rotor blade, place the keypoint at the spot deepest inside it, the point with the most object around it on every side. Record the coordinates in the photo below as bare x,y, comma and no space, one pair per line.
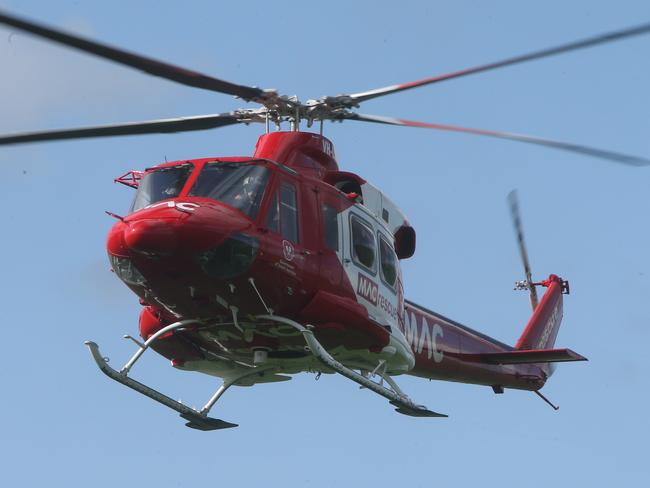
513,203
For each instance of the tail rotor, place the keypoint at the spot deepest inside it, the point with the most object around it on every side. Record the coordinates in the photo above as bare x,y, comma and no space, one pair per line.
527,284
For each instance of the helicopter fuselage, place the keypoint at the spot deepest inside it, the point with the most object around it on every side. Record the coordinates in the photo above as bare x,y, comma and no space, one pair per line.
226,240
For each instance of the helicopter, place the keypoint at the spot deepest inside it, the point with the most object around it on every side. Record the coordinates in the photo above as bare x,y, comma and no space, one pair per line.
254,269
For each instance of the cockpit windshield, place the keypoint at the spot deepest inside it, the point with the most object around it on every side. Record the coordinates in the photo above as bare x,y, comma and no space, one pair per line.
160,184
240,185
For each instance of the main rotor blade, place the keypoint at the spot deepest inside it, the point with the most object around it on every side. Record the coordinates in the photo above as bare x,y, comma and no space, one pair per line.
513,203
566,146
148,65
572,46
180,124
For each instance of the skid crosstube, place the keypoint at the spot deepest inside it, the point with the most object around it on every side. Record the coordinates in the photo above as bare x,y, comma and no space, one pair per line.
196,420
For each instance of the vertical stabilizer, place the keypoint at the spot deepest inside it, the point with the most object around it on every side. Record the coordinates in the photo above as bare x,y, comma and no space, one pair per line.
543,326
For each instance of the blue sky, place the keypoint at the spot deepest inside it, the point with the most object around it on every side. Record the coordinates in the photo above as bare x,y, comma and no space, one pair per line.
65,424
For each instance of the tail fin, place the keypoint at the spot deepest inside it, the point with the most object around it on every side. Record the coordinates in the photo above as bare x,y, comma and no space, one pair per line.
536,343
543,326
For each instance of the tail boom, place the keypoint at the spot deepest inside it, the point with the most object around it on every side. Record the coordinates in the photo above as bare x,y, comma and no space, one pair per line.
447,350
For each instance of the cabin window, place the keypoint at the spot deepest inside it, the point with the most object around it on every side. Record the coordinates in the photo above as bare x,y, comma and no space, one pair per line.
283,213
363,243
160,184
388,262
331,227
240,185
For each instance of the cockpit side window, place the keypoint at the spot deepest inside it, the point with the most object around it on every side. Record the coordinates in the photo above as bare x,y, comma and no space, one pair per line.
288,212
283,213
273,217
239,185
160,184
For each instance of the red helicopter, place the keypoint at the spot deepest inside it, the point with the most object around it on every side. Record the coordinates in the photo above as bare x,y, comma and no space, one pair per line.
255,268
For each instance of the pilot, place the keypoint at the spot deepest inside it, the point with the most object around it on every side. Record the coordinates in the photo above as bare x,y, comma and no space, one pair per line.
251,185
248,198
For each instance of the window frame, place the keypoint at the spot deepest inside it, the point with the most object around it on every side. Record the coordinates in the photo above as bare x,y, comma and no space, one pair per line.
369,226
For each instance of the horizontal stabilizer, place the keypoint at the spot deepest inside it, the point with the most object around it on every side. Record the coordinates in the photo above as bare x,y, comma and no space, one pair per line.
532,356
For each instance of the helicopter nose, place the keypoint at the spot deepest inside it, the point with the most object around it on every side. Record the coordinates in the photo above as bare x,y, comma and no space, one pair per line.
168,231
151,236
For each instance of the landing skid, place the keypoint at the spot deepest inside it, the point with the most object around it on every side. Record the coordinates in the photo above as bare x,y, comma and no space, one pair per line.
197,419
394,395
